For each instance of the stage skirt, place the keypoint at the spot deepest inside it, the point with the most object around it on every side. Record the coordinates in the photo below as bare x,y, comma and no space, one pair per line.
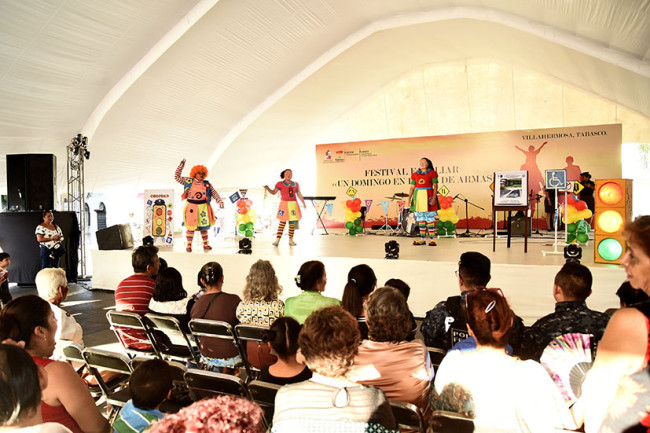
289,211
423,205
198,216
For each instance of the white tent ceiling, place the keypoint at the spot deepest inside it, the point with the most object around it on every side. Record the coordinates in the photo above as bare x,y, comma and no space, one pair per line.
247,86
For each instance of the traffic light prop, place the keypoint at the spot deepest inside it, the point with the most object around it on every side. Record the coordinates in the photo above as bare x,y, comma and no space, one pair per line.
613,209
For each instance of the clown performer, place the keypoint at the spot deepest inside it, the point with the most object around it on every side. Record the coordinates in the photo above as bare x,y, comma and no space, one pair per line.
423,200
289,209
198,214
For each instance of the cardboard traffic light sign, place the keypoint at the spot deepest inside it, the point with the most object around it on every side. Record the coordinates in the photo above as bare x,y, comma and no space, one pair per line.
613,210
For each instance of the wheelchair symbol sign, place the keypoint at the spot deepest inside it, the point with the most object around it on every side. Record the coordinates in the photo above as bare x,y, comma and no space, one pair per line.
555,179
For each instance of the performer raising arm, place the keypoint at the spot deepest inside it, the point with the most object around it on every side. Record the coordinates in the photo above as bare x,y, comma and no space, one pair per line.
289,209
198,214
423,200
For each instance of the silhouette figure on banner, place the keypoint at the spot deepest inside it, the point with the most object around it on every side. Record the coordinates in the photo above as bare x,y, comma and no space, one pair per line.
535,178
572,171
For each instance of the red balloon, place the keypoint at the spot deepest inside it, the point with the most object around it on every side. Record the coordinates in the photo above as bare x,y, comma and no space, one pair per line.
444,205
357,201
580,205
449,199
248,202
570,200
349,204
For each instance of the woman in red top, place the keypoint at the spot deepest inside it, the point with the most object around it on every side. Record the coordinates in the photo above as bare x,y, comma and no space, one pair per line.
66,400
289,209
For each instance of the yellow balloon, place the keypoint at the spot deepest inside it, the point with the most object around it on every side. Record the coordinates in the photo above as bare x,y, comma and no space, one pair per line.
455,219
246,219
586,214
357,215
252,213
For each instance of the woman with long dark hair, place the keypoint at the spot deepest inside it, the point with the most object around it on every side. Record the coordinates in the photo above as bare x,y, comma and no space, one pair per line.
423,200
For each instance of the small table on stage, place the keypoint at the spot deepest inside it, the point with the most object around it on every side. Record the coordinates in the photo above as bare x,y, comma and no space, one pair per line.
325,199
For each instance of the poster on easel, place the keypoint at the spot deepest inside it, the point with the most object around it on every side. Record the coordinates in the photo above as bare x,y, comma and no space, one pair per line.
159,216
511,188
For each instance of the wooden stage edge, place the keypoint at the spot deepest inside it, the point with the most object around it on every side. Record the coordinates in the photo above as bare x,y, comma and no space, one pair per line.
525,278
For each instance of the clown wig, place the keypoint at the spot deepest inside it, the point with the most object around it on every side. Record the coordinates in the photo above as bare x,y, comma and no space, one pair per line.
198,168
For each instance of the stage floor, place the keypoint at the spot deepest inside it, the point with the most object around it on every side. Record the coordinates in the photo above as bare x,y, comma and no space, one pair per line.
526,278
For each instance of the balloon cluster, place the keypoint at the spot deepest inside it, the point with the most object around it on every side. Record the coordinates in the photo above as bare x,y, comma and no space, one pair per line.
246,217
447,218
353,216
575,215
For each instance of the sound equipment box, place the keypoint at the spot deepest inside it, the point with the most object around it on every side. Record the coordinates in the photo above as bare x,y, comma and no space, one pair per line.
117,237
31,182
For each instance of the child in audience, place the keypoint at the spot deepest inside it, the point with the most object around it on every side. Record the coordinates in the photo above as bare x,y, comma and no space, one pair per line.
149,386
282,338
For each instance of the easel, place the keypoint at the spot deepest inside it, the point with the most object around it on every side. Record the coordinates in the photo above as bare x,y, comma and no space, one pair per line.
509,209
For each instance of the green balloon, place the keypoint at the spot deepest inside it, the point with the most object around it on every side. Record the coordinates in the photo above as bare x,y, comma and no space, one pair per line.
249,233
448,225
571,228
358,229
583,238
441,231
570,238
242,227
357,222
349,225
249,225
439,224
352,232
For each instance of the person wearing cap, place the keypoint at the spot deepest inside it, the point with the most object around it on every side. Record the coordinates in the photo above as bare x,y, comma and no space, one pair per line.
446,324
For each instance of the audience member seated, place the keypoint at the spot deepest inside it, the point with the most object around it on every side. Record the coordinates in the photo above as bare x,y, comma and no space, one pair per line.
134,293
571,289
282,339
260,307
402,369
21,381
627,297
150,384
405,289
445,325
5,294
222,414
169,297
216,305
501,392
52,285
329,401
624,351
66,398
361,282
311,279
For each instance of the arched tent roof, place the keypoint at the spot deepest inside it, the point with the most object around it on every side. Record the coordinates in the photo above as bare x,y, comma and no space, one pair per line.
246,86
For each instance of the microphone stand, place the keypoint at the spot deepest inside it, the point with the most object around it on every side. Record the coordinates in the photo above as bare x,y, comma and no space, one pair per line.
467,203
536,198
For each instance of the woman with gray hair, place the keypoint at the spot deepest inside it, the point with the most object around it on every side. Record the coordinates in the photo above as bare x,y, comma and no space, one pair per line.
52,285
329,401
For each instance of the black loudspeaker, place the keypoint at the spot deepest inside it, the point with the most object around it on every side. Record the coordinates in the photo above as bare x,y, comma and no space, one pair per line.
31,182
116,237
517,225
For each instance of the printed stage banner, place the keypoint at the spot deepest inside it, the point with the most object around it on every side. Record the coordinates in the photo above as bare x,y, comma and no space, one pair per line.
380,170
159,216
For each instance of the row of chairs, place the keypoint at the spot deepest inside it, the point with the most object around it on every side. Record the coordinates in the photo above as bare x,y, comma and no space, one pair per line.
170,342
202,384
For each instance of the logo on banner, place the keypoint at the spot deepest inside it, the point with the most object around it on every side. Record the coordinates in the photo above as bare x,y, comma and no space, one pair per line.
384,206
235,197
351,192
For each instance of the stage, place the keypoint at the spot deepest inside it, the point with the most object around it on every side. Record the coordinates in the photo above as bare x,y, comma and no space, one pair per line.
525,278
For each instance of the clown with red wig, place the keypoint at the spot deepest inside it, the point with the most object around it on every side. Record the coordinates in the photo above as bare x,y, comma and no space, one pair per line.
198,214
